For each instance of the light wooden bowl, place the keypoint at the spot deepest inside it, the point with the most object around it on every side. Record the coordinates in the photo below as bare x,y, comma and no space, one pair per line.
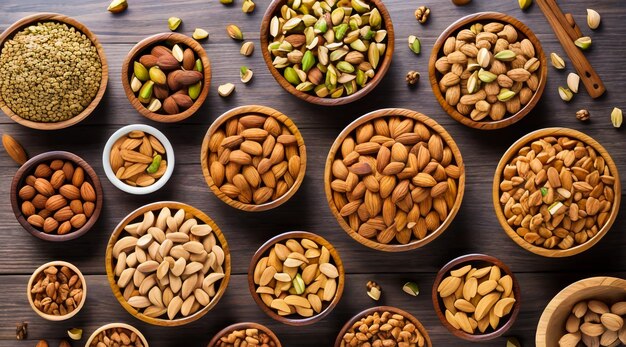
55,17
29,167
167,39
327,307
239,112
383,113
244,325
464,23
366,312
51,317
119,230
476,260
506,158
381,71
114,326
552,322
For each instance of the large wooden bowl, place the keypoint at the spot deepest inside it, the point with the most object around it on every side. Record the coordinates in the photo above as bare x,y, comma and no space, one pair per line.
506,158
274,8
168,39
115,326
476,260
327,307
108,262
464,23
390,112
241,326
55,17
552,322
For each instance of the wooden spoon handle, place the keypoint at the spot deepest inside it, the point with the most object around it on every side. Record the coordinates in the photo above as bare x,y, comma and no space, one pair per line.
574,25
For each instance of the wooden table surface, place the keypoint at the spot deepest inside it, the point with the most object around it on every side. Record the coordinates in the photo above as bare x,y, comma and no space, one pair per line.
475,228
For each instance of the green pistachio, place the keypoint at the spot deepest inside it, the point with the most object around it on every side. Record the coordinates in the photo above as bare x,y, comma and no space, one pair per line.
145,93
340,31
194,90
375,19
345,67
305,86
198,66
321,26
506,55
140,71
173,23
505,94
154,166
414,44
486,76
308,61
361,79
292,76
583,42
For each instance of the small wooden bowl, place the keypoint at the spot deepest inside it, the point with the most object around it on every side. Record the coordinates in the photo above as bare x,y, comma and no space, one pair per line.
244,325
464,23
51,317
552,322
108,262
506,158
114,326
169,39
366,312
261,252
382,69
476,260
336,147
29,167
239,112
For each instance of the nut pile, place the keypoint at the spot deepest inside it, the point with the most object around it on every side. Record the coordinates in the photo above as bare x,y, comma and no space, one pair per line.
383,329
394,178
476,298
488,72
57,290
595,323
49,72
116,337
297,277
328,48
168,263
57,198
138,159
254,159
251,337
557,192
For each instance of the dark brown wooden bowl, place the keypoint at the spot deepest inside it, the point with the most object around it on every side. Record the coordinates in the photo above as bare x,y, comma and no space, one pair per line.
381,71
169,39
366,312
244,325
28,168
55,17
463,23
476,260
327,308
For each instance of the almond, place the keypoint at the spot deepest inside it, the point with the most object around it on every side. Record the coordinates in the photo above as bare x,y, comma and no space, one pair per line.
189,59
50,224
44,187
63,214
42,171
148,60
28,209
27,192
167,62
78,177
14,149
35,220
64,228
70,192
183,101
187,78
87,192
89,208
55,202
78,220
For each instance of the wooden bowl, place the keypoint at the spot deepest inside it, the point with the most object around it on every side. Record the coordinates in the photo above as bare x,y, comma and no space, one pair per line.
464,23
274,8
239,112
55,17
29,167
51,317
108,262
244,325
476,260
552,322
336,147
381,309
167,39
261,252
114,326
506,158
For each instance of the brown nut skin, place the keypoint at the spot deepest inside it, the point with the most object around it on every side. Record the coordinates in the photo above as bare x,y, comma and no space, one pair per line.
461,2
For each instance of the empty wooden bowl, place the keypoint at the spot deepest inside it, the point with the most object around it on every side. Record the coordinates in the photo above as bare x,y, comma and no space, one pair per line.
143,47
71,22
527,141
465,23
106,327
243,326
478,261
552,322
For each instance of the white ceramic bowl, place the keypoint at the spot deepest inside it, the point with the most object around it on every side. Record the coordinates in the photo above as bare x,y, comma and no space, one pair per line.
169,153
117,325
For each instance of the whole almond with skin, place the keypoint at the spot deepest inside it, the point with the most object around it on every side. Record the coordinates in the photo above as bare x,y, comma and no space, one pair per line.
167,62
187,78
148,60
63,214
170,106
189,59
55,202
14,149
44,187
70,192
183,101
87,192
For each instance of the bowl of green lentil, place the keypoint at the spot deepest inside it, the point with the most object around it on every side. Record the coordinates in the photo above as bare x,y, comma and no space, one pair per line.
53,71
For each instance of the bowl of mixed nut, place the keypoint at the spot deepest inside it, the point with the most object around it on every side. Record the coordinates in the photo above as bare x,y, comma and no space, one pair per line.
245,334
556,192
327,52
488,70
116,334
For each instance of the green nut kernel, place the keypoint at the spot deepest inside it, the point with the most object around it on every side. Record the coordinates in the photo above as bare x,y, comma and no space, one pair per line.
154,166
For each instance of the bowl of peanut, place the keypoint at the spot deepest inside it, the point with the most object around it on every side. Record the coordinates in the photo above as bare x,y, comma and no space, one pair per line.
245,334
116,334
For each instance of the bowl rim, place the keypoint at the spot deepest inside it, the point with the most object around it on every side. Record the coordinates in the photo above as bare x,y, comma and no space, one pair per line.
51,317
169,152
383,67
434,126
117,325
472,259
297,235
244,325
383,308
110,271
521,28
174,38
238,112
29,166
60,18
506,158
